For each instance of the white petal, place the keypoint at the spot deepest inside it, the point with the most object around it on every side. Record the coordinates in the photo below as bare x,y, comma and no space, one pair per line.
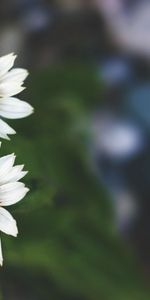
18,75
6,163
7,223
10,88
5,129
4,136
7,188
1,254
12,193
13,108
15,197
14,175
6,63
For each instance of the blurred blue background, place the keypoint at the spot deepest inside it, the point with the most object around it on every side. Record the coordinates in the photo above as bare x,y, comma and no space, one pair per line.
85,225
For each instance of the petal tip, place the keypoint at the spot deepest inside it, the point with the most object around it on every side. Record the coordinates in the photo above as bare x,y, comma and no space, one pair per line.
1,263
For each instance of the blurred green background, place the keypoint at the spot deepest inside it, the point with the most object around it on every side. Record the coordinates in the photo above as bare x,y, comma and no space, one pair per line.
68,247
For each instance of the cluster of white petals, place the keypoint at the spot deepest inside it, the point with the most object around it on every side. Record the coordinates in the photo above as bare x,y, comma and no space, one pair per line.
11,189
11,84
11,192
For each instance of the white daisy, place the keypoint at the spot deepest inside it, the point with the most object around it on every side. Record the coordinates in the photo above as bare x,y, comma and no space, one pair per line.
11,192
11,83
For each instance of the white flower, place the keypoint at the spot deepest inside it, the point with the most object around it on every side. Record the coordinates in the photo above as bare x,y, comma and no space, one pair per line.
11,83
11,192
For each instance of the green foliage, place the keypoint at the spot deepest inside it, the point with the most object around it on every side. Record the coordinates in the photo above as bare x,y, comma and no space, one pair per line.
67,247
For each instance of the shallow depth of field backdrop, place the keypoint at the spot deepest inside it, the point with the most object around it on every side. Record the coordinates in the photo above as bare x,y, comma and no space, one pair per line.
68,246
